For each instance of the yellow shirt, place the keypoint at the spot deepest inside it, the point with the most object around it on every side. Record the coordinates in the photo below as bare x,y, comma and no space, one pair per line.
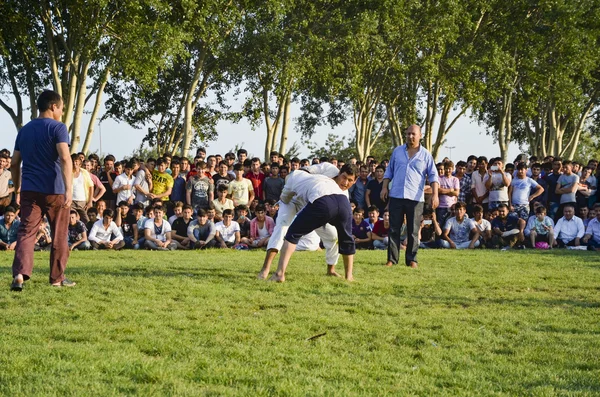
161,183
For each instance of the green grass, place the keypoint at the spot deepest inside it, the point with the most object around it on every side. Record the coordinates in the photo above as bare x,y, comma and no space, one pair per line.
199,323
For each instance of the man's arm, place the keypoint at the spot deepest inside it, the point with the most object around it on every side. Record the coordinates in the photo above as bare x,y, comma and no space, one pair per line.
250,193
66,167
538,192
435,201
475,232
446,236
166,193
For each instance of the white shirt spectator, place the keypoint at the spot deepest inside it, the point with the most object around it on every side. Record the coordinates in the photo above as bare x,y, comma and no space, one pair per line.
566,230
99,234
483,226
499,192
158,233
79,188
120,181
228,232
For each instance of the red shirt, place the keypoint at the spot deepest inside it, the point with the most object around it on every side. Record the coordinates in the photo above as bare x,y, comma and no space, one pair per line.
380,230
257,183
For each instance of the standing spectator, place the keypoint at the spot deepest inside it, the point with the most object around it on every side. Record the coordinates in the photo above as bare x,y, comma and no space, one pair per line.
222,177
256,177
273,185
77,233
409,165
448,191
497,184
479,177
471,165
569,229
6,190
586,188
102,232
358,191
457,230
162,182
201,231
381,231
566,187
228,230
242,155
42,145
552,181
157,232
178,193
464,192
83,189
143,182
123,185
520,192
536,171
373,193
240,189
106,177
9,226
200,188
98,186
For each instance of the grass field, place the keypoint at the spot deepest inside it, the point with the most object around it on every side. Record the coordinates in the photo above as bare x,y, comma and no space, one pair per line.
199,323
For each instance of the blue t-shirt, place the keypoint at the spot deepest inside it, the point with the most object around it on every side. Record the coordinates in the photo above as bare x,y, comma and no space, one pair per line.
512,222
37,142
521,190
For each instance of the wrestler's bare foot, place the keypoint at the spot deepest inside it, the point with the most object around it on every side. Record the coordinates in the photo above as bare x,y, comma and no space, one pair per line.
278,278
350,278
333,273
389,264
264,273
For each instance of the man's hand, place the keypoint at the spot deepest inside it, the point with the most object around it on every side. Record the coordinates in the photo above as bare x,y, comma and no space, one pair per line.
88,205
223,245
452,245
11,246
521,237
577,242
435,202
68,199
384,193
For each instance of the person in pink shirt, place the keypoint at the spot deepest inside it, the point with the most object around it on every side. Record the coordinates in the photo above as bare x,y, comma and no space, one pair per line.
448,191
261,228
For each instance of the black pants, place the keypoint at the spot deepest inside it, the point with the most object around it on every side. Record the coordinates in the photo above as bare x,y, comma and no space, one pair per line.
413,211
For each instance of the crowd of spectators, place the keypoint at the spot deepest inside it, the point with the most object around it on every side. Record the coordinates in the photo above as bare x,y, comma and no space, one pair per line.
231,202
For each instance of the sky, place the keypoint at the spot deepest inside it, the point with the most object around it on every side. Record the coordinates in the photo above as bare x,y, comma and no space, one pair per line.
119,139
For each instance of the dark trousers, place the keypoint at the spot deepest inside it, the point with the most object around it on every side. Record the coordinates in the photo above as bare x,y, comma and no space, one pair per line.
413,211
115,247
334,209
34,206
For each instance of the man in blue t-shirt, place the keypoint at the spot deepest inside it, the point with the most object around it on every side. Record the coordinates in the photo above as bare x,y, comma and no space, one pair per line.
44,188
507,229
519,192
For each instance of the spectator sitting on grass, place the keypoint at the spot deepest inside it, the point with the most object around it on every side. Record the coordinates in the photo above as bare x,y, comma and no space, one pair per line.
592,232
43,238
243,220
92,214
8,229
180,227
177,211
457,230
261,229
373,213
201,231
483,225
430,231
569,229
158,232
103,230
77,233
361,231
381,231
228,231
507,229
272,207
540,227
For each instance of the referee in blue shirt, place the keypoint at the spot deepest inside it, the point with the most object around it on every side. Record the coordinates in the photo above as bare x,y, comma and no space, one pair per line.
409,166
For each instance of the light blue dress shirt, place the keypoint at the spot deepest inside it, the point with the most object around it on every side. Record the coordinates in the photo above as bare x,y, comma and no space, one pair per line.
408,175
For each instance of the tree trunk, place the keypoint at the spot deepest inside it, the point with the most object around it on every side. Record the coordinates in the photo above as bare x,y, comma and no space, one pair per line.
285,124
94,116
80,104
190,103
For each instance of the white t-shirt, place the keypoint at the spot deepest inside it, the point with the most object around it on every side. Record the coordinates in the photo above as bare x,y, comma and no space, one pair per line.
459,231
499,192
79,188
240,190
228,232
100,234
483,226
156,232
120,181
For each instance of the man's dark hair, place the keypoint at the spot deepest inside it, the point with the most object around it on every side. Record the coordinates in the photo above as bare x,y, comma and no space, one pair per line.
230,156
295,160
10,209
461,164
471,157
460,204
427,211
108,212
324,159
223,162
521,166
380,167
477,208
242,151
200,150
373,208
109,157
536,165
541,209
71,212
284,167
271,202
151,160
275,165
274,153
349,169
260,208
238,167
48,98
160,161
359,210
137,206
167,156
242,207
228,211
188,207
482,159
567,162
247,163
502,205
175,162
123,203
222,188
253,160
200,212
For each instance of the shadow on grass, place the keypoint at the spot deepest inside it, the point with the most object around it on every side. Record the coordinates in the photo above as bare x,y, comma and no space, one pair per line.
208,273
454,301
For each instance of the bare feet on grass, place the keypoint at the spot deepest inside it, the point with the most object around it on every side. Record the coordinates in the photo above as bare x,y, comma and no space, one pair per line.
389,264
350,278
278,278
264,273
333,273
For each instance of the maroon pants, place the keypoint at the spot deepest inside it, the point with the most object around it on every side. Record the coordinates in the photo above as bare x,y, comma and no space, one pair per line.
34,206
